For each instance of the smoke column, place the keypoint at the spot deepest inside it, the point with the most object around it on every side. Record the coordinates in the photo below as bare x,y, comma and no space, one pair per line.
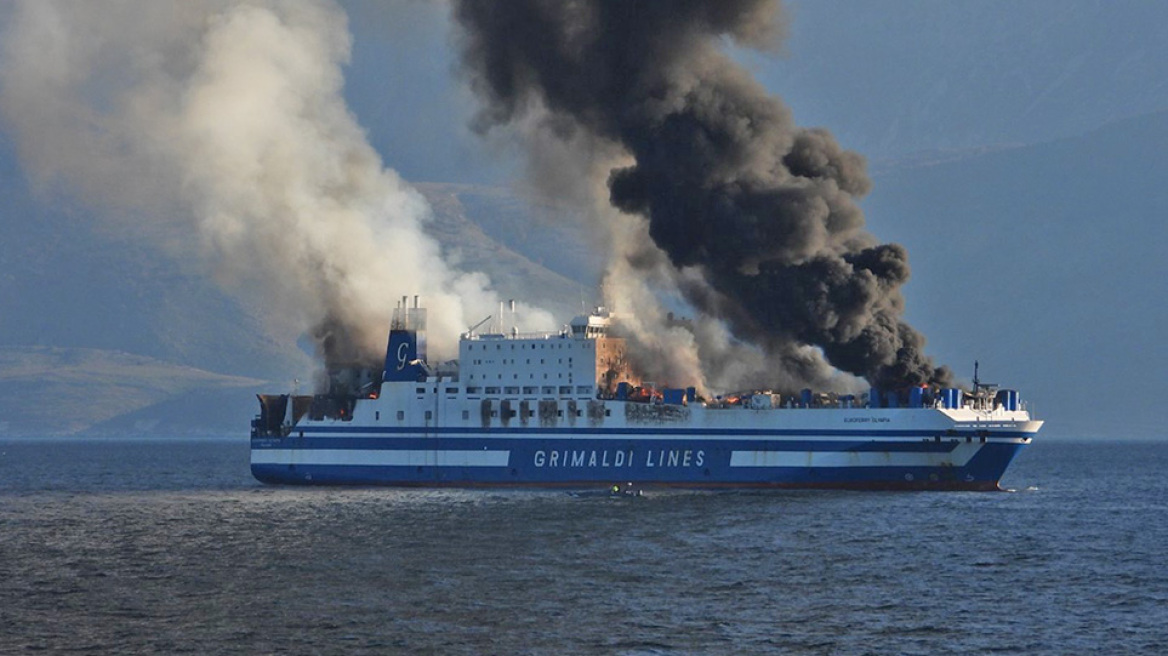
752,219
220,130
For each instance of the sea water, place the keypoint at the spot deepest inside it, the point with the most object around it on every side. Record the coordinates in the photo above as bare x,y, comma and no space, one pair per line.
169,546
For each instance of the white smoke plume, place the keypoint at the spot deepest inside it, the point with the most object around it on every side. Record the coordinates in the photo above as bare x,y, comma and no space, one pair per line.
220,129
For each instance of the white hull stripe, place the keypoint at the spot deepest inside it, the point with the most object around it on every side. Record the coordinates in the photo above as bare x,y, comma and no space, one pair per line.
958,457
380,458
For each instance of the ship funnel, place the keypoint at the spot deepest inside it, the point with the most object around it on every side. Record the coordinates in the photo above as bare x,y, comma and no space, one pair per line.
405,357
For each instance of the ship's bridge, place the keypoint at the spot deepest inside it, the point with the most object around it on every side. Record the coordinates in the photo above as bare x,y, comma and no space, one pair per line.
592,326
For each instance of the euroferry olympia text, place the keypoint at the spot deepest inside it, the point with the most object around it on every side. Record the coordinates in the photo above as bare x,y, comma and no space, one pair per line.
564,409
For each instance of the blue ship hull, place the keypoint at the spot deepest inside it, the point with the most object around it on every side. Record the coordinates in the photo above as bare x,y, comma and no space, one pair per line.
645,461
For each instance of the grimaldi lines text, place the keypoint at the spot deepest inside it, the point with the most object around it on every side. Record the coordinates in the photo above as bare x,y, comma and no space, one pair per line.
564,409
653,458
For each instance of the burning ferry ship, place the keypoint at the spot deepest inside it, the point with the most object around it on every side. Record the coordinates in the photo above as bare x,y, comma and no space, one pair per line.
563,409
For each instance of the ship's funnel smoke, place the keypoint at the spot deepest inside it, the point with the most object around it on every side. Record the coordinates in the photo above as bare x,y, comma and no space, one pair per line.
752,219
220,127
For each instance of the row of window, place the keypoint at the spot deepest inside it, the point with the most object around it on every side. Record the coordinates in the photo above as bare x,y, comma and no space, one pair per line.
401,415
551,345
512,361
531,413
528,389
516,376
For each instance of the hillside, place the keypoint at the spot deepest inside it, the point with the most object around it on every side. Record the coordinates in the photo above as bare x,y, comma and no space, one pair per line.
48,390
532,251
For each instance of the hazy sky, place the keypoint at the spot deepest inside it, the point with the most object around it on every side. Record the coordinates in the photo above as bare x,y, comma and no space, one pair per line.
888,78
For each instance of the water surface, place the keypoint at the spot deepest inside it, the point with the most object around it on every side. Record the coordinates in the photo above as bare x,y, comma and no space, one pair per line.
170,546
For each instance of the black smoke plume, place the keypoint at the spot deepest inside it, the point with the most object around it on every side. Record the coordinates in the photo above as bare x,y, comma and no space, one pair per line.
730,186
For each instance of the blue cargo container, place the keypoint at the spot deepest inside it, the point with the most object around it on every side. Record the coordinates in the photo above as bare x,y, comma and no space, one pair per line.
951,398
1008,399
